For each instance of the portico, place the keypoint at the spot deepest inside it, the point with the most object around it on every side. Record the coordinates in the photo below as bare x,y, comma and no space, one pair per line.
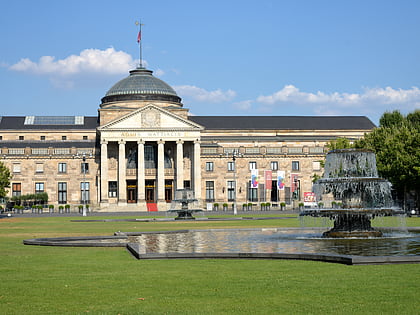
146,155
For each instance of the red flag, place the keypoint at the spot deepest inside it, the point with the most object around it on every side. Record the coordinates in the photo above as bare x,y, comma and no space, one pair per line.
139,37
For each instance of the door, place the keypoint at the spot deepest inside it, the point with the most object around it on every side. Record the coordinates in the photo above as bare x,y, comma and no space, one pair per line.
131,192
150,191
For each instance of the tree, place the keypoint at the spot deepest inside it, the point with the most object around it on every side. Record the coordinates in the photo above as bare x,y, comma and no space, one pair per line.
339,143
397,146
4,179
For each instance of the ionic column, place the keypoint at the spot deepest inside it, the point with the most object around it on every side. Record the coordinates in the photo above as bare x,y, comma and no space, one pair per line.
122,170
161,174
197,170
179,164
140,173
104,171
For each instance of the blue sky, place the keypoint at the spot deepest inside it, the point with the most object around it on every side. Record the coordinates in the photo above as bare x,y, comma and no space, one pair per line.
223,57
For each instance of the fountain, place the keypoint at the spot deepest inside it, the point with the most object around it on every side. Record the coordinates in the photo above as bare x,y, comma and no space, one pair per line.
183,197
351,177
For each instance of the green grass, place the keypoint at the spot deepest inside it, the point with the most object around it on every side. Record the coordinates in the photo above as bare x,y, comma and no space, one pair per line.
60,280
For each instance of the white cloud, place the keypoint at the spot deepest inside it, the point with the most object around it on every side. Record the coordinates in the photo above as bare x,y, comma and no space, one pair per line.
369,101
108,61
202,95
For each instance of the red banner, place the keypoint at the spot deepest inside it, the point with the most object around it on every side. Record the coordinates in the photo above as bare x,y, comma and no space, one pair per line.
268,175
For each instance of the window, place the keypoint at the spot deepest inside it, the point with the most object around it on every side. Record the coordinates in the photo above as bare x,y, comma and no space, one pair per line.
39,188
295,150
209,166
295,165
42,138
252,150
84,167
209,150
62,192
187,184
231,190
112,189
210,191
39,168
16,168
61,151
252,165
316,165
63,137
16,189
252,193
1,137
85,137
21,138
84,192
274,165
231,166
62,167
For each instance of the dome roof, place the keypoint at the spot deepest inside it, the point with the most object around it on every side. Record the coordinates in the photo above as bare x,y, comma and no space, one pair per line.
141,85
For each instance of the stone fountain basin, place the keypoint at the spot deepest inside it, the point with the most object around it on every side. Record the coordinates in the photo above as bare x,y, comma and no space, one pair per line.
265,243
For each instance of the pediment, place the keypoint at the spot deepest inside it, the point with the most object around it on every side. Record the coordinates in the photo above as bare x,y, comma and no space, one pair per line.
151,117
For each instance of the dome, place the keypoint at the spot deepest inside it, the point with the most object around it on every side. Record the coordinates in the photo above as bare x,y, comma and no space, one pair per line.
141,85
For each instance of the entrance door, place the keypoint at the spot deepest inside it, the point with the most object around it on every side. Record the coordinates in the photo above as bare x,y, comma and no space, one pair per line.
131,192
150,191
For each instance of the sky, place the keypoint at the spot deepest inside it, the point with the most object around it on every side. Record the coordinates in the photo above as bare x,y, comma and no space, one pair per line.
222,57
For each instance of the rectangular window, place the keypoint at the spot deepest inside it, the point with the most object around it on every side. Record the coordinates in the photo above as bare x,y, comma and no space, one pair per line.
62,192
210,191
231,166
252,165
42,138
21,138
39,168
209,150
274,150
252,150
84,167
39,151
112,189
295,166
62,167
187,184
252,193
209,166
231,190
16,151
85,137
39,188
316,165
16,189
274,165
84,192
16,168
62,151
63,137
296,150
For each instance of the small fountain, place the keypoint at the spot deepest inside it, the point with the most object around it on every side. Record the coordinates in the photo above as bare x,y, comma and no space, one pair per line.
351,176
180,205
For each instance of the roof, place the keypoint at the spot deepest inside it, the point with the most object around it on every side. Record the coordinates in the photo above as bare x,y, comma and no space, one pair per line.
48,122
284,122
141,85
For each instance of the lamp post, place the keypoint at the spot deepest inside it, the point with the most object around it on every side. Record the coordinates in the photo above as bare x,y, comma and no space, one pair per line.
84,184
235,155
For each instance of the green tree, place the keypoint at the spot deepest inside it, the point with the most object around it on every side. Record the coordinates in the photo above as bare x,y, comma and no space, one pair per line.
4,179
396,143
339,143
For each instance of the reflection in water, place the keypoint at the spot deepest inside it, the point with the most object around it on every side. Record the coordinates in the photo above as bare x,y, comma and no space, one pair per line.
274,240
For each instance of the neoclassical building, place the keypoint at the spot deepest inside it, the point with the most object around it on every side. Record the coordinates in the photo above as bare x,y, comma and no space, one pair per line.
144,145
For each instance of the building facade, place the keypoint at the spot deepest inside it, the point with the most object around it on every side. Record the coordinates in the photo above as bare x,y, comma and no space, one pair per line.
144,145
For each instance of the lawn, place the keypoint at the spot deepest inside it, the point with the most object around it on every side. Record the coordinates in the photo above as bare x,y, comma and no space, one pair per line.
59,280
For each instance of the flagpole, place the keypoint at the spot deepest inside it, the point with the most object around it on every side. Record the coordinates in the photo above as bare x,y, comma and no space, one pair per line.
140,44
